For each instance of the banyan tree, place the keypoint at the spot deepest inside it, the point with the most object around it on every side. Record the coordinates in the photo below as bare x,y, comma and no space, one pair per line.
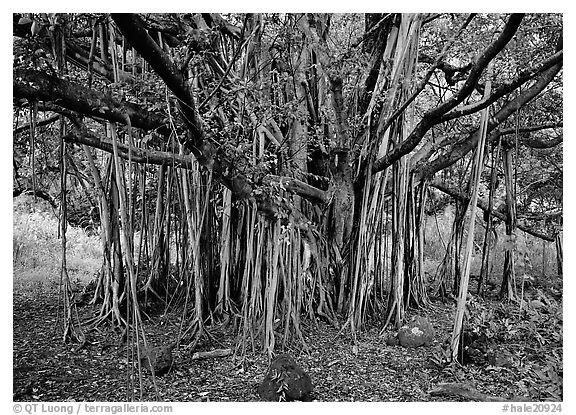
262,170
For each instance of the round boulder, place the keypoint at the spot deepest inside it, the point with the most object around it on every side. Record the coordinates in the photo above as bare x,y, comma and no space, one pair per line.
418,332
285,380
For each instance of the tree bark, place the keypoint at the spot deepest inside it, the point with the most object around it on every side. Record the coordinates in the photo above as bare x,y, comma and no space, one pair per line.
507,290
39,86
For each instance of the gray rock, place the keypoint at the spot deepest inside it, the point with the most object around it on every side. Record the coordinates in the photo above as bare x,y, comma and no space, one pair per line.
159,358
391,339
418,332
285,380
500,359
537,304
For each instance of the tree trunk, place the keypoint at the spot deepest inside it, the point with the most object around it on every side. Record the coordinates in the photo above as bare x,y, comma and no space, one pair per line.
487,245
559,253
507,289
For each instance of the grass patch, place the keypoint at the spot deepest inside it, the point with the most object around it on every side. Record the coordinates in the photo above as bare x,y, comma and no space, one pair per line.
37,249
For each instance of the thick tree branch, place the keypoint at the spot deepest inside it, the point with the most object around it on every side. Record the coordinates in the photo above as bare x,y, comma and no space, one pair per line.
214,19
39,123
36,192
432,116
167,24
39,86
298,187
133,29
81,58
504,89
529,141
452,73
541,143
436,63
531,128
532,142
424,168
430,147
478,67
137,155
456,194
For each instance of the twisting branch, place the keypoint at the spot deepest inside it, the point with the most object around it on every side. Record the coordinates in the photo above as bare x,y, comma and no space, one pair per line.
452,73
456,194
531,128
133,29
504,89
432,116
527,140
36,85
136,155
40,123
426,168
436,64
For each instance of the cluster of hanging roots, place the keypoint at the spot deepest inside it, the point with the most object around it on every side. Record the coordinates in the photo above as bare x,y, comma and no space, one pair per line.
172,235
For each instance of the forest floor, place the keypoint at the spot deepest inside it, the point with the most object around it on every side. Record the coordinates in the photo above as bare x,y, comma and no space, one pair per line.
527,343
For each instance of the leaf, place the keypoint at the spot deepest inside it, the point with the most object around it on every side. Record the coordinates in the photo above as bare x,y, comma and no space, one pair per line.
540,374
35,29
25,20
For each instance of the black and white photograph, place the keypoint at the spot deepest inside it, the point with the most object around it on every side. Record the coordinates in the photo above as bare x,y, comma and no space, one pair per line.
287,207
